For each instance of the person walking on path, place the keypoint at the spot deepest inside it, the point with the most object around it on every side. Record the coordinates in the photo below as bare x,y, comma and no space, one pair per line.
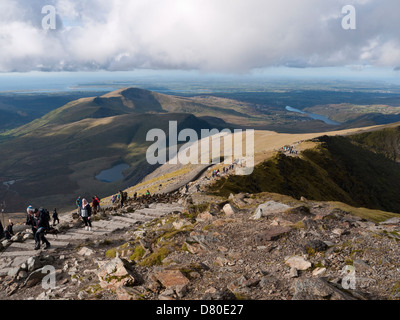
55,217
122,197
9,230
95,205
79,204
30,219
42,223
86,213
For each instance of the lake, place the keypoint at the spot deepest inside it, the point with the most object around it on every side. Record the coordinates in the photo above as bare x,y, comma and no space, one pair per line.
314,116
113,174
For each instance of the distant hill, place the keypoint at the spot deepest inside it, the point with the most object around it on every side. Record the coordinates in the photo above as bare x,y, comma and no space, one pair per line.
54,164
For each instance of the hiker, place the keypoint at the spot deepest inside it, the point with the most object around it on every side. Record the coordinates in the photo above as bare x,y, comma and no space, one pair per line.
79,204
135,196
198,187
30,219
113,198
86,213
98,203
187,188
42,223
95,205
55,217
9,230
122,197
148,193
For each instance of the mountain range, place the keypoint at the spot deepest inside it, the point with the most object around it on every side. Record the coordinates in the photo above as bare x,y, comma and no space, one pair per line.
53,159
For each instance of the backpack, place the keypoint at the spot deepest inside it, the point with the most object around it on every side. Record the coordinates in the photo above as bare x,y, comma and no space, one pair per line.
44,216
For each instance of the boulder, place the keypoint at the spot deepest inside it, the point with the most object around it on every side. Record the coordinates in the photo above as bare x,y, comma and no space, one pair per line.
85,252
229,210
268,208
316,246
391,221
298,262
116,273
318,289
171,278
271,235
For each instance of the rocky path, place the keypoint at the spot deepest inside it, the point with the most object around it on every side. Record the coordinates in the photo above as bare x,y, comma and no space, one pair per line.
21,247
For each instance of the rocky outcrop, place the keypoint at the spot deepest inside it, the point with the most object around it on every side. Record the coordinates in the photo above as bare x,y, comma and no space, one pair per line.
212,249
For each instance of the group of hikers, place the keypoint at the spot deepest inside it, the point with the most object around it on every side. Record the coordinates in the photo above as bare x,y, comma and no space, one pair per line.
39,220
122,197
225,170
288,149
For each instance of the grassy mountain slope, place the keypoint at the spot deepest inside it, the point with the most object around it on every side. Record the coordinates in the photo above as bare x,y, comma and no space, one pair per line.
57,162
358,170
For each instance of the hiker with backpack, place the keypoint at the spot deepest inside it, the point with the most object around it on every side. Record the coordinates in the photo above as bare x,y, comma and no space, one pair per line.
42,218
86,213
55,217
30,219
122,197
95,205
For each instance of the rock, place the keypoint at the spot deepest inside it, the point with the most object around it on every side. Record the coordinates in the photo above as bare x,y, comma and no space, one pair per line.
268,208
14,272
318,271
85,252
318,289
204,216
5,243
229,210
315,246
338,231
298,262
303,199
116,273
27,236
302,210
12,289
22,275
271,235
172,278
293,273
17,238
34,278
224,294
391,221
33,263
180,224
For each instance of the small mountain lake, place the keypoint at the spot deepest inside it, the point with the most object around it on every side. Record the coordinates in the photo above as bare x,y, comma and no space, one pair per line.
314,116
113,174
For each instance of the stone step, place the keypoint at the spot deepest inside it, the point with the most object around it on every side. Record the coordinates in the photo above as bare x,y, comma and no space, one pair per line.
31,243
139,217
110,225
28,254
73,236
4,271
125,219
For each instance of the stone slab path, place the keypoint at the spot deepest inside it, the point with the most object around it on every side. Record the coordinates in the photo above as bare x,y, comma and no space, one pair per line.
16,253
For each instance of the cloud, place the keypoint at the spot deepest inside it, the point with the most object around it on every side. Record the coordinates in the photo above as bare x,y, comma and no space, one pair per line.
233,36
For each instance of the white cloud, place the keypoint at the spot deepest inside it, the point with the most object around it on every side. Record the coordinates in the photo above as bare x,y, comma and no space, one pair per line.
208,35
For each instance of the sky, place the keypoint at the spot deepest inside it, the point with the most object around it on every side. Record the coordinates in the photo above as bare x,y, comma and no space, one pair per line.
210,36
